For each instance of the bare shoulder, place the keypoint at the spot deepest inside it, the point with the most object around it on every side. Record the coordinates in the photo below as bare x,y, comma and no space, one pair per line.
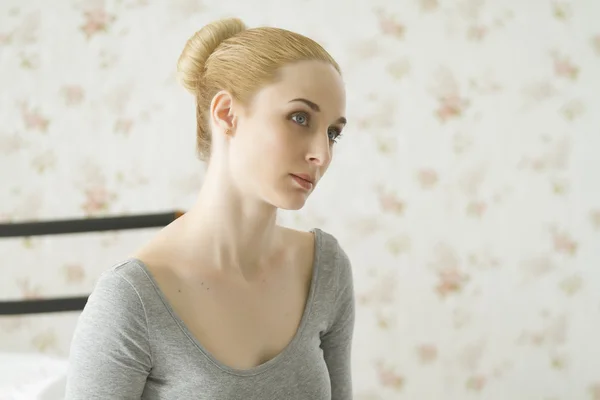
300,248
162,245
301,240
157,253
148,251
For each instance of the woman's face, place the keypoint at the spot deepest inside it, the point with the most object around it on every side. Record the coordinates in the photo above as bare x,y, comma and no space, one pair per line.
283,146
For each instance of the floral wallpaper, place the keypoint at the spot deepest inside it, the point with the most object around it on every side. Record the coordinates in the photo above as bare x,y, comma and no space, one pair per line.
466,189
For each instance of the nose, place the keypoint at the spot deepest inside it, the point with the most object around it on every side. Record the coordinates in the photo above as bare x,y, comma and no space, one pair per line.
320,150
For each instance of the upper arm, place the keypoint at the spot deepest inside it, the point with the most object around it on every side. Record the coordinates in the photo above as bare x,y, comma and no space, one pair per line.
110,351
337,340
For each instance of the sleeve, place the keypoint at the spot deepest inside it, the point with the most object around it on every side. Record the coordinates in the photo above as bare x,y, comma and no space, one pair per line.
110,351
336,342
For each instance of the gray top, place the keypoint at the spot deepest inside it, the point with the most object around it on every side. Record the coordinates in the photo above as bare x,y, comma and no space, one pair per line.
129,343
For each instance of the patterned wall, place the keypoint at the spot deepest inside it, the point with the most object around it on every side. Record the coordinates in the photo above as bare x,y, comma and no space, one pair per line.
466,189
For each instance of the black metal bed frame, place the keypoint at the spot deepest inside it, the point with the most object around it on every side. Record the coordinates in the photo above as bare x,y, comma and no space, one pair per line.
58,227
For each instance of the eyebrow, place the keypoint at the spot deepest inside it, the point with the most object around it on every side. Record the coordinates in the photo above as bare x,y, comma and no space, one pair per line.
315,107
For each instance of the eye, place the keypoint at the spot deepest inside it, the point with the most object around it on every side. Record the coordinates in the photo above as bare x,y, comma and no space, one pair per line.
334,134
300,118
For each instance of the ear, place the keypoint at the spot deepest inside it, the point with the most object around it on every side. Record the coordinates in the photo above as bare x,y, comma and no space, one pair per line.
221,111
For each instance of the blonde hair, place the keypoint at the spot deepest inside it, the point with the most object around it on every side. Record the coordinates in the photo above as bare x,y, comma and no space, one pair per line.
226,55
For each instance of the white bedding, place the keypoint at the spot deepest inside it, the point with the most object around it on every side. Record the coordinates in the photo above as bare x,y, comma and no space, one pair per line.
32,377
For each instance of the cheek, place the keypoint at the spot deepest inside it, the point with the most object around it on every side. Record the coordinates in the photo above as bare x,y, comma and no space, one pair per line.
263,148
276,136
274,141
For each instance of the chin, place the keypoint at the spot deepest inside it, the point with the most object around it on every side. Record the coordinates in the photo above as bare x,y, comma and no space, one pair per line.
291,208
291,203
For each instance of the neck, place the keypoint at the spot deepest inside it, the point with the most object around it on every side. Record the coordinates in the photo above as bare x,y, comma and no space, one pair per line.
230,231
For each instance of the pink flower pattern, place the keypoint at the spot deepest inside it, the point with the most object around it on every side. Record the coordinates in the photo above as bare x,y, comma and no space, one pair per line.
464,192
96,20
98,200
73,94
33,119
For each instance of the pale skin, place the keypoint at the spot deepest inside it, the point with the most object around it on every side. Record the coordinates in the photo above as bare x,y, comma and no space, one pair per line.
237,279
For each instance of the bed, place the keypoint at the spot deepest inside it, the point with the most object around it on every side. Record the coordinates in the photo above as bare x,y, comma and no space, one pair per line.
30,376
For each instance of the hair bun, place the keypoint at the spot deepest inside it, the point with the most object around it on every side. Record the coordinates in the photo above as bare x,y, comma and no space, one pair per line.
190,66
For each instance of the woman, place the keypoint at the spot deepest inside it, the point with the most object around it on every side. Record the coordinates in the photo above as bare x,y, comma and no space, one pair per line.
223,303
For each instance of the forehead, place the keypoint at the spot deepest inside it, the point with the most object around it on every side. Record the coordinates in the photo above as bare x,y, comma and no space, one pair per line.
316,81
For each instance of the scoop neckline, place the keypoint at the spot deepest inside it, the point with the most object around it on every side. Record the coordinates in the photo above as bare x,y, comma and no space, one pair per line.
289,348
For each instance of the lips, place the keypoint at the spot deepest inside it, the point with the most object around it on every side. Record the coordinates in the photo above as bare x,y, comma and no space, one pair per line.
306,177
303,181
